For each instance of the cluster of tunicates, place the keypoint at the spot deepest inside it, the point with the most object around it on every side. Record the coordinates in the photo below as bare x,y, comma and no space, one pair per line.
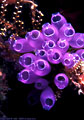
43,48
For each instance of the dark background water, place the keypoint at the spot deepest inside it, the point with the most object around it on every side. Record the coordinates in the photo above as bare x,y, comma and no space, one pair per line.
70,104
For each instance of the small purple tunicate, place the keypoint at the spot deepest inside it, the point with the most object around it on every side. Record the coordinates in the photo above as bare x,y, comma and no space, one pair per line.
41,84
27,59
58,20
51,44
63,45
22,46
76,58
33,97
47,98
27,77
66,31
77,41
42,67
50,32
80,53
54,56
68,60
48,45
35,39
61,81
41,53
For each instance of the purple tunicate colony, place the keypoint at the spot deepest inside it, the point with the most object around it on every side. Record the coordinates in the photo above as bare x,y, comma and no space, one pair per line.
49,46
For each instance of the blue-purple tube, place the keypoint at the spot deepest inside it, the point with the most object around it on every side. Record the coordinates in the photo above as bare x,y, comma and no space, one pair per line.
41,84
80,53
41,53
42,67
50,44
27,59
47,98
61,81
77,41
76,58
27,77
68,60
35,39
50,32
66,31
22,46
63,45
58,20
54,56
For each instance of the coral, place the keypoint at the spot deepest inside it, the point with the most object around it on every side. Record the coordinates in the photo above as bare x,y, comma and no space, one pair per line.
16,24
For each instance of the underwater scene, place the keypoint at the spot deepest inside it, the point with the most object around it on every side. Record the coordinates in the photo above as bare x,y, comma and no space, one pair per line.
41,59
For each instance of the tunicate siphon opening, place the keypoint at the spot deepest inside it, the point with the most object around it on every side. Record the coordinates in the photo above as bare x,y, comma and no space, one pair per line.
49,101
25,75
56,18
28,60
